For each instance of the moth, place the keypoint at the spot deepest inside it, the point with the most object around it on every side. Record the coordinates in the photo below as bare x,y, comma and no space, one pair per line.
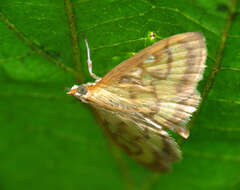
147,95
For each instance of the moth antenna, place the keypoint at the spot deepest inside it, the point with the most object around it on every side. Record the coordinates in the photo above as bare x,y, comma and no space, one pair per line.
89,60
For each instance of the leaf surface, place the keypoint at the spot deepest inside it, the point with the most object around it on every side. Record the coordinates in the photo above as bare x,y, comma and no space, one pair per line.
51,141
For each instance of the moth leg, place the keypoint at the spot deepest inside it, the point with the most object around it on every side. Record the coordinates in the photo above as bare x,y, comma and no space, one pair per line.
90,62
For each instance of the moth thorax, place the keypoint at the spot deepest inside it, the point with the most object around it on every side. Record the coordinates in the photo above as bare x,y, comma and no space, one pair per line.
81,90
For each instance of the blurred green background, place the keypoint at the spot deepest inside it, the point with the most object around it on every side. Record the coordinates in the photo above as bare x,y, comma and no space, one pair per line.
51,141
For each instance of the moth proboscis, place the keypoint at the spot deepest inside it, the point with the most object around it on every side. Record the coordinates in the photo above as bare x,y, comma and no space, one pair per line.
148,94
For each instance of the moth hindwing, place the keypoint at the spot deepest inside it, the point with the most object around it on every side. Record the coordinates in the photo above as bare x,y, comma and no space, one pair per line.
147,94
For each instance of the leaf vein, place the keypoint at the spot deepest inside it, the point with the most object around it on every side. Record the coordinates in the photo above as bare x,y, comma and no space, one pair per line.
34,47
149,11
212,156
217,64
74,38
222,129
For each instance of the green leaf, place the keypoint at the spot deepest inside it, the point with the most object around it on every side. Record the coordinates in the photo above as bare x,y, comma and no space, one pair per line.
51,141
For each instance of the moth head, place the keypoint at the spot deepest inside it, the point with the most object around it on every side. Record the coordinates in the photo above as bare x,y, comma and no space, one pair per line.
79,91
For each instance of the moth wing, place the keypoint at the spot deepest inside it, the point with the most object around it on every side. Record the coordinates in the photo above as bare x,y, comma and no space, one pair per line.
159,81
149,148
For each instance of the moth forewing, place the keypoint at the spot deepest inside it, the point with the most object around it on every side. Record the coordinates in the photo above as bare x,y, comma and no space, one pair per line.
150,92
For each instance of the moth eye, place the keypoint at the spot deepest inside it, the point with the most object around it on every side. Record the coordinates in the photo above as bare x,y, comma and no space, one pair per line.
82,90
